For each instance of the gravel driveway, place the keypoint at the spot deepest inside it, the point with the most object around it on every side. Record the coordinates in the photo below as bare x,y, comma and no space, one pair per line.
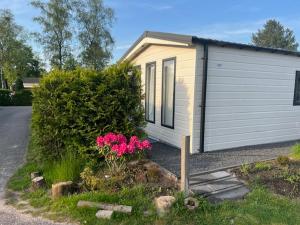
14,132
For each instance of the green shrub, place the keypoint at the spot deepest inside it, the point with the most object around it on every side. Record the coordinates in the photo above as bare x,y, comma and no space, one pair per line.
283,160
19,84
66,169
245,169
22,98
72,108
5,99
262,166
296,151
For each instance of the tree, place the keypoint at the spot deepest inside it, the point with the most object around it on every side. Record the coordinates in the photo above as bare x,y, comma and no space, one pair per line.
56,32
95,21
16,58
71,63
275,35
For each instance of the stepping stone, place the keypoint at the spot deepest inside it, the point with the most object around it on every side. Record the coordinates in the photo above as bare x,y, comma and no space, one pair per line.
104,214
218,186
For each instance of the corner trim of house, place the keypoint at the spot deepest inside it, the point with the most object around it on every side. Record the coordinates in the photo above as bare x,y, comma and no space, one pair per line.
203,97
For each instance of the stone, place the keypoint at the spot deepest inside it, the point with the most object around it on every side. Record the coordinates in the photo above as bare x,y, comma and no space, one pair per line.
38,182
61,189
163,204
105,206
34,175
191,203
104,214
140,177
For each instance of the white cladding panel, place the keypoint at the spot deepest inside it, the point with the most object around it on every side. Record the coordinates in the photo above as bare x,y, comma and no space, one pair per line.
250,98
184,91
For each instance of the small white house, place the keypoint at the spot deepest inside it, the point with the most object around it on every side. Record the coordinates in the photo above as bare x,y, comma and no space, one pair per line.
224,95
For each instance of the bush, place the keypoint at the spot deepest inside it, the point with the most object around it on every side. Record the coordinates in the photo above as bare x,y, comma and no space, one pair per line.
5,99
71,108
19,84
283,160
22,98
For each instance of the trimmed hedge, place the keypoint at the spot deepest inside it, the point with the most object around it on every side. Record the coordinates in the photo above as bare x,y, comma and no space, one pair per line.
20,98
5,99
71,108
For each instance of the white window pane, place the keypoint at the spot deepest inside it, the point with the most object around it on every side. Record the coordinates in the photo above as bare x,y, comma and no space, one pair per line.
150,92
168,93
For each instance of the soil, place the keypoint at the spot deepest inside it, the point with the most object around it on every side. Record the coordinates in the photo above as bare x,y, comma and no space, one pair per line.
282,180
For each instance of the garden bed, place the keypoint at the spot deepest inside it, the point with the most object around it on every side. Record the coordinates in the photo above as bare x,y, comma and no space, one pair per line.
282,179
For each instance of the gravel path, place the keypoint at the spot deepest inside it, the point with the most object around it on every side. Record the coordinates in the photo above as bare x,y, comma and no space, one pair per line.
14,132
169,157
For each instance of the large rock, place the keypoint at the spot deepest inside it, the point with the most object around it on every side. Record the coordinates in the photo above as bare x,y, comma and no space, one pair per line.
61,189
104,214
38,182
163,204
105,206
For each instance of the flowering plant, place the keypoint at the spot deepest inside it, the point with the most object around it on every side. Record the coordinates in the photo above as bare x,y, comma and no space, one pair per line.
116,149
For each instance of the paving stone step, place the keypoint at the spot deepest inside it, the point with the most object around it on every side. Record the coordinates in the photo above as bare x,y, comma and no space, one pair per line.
232,194
216,185
201,180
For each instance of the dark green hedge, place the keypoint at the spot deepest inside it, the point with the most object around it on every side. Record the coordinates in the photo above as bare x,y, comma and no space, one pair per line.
5,99
70,108
20,98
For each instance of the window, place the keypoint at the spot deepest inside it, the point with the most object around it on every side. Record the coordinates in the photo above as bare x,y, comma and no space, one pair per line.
297,89
168,92
150,92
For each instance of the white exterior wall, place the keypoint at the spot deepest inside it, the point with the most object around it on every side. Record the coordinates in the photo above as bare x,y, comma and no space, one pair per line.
249,98
184,91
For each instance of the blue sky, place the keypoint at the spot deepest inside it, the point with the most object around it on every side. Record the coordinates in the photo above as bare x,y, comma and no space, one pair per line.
231,20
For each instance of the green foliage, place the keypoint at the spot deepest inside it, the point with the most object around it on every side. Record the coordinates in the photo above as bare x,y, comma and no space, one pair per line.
66,169
5,99
259,166
283,160
16,57
296,151
274,35
94,22
19,84
56,33
245,169
22,98
70,109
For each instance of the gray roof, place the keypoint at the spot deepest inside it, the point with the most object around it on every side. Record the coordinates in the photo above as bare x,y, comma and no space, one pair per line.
31,80
189,39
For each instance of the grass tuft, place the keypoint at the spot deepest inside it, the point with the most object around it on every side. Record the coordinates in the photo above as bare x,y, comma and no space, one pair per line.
296,152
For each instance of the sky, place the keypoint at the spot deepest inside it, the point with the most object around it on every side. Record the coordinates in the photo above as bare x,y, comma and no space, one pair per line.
229,20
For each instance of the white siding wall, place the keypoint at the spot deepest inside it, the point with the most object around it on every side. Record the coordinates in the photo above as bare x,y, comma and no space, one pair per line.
250,98
184,91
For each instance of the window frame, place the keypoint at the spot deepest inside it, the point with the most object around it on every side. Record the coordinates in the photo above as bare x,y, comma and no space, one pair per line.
146,69
297,87
162,92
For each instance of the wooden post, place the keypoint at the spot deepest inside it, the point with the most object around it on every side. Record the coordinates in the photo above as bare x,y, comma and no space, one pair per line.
185,152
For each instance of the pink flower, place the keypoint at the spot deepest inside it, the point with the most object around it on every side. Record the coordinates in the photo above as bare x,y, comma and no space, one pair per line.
110,138
122,149
146,144
131,148
115,148
100,141
134,139
121,139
